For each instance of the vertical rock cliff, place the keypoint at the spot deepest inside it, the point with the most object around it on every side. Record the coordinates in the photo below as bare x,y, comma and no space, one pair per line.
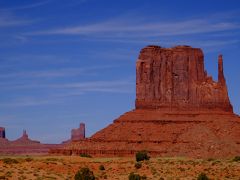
175,78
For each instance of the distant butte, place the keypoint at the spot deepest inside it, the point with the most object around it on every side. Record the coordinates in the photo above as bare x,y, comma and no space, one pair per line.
180,111
23,145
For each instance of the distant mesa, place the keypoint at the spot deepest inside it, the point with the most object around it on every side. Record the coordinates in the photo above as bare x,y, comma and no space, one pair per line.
77,134
179,111
23,145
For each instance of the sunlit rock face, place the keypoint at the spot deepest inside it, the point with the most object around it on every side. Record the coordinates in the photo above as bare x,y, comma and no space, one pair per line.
175,78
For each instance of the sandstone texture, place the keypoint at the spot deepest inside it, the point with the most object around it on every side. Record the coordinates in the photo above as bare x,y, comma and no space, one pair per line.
180,111
175,78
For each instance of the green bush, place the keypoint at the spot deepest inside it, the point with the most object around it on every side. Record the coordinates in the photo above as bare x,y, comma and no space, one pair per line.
85,155
142,155
84,174
138,165
236,159
9,161
133,176
202,176
101,167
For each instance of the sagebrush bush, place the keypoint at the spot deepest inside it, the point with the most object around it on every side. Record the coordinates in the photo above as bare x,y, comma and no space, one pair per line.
29,159
9,161
202,176
84,174
133,176
85,155
101,167
236,158
142,155
138,165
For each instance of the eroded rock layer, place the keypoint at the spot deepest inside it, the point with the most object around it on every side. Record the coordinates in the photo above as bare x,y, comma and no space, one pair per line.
180,111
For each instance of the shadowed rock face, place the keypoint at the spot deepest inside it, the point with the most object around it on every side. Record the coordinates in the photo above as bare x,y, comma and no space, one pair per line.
175,78
2,133
180,111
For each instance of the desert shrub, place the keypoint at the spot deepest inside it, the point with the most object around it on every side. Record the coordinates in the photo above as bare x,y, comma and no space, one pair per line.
138,165
84,174
133,176
51,159
236,159
101,167
85,155
142,155
202,176
9,161
29,159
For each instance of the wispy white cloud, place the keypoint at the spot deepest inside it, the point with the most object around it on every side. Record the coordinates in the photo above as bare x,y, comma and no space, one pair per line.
26,101
27,6
130,28
79,87
66,90
64,72
9,20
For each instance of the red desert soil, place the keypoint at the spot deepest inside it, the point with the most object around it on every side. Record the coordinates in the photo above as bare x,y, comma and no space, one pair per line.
65,167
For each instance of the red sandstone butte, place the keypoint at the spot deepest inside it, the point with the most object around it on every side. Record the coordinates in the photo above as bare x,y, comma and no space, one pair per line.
180,111
77,134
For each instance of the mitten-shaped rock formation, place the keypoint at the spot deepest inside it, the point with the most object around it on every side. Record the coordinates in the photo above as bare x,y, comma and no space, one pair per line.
180,111
175,78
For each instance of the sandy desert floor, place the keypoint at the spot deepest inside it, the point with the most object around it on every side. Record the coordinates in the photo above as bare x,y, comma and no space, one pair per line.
65,167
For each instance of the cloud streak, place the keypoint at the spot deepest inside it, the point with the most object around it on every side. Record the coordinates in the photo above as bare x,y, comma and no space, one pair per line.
128,28
65,72
66,90
27,6
8,20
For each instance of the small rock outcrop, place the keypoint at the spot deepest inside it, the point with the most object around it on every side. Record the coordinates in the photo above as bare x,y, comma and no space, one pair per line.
2,133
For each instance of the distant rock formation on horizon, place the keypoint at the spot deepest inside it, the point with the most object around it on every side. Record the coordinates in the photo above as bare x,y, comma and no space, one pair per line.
23,145
77,134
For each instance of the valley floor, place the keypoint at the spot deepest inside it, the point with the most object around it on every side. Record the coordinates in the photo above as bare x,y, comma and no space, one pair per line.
65,167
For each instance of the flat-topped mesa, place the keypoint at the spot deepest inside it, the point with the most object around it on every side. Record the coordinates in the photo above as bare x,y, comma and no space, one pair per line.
175,79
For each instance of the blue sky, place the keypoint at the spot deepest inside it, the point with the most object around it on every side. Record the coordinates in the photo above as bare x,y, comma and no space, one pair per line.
63,62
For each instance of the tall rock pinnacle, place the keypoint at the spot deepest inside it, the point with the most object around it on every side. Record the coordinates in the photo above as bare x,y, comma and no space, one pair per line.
221,78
